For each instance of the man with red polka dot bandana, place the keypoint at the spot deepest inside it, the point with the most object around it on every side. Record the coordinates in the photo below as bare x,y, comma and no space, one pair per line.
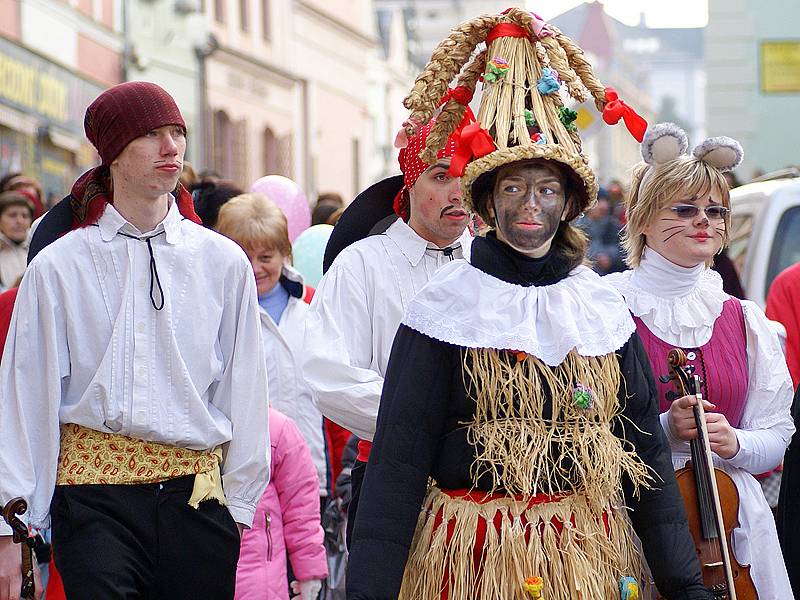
360,301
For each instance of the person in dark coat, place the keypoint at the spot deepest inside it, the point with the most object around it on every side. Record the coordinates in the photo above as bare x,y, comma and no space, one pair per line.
518,409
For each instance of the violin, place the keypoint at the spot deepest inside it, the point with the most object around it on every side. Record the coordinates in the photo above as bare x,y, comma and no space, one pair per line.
711,499
15,507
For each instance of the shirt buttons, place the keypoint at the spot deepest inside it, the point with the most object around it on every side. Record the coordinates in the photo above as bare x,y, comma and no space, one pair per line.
140,417
142,283
140,328
691,356
142,371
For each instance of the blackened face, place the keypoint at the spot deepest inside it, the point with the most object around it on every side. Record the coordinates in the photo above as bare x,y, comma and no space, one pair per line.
528,204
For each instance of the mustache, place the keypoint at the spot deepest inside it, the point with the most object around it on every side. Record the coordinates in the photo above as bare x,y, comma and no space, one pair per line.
450,207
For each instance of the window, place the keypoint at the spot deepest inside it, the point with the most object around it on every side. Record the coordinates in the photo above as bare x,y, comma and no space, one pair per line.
222,144
785,249
244,15
270,152
265,20
277,154
219,10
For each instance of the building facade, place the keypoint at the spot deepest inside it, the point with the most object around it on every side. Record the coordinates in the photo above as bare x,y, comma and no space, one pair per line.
391,76
753,80
268,87
162,42
55,58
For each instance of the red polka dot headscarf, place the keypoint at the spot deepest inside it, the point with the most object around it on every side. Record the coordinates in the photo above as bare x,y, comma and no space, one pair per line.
413,166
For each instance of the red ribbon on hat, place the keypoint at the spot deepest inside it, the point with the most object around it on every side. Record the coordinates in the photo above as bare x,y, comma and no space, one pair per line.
472,141
507,30
461,94
616,109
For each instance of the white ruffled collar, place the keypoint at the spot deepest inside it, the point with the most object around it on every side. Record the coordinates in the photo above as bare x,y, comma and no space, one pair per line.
464,306
679,305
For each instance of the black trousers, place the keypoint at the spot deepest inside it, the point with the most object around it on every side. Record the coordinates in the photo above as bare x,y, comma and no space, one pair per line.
143,542
356,481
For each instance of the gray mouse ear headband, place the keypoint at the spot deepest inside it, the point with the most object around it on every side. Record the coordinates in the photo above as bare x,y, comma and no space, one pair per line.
666,141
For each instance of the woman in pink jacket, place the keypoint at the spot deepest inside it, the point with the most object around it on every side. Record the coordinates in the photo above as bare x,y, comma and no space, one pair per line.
286,521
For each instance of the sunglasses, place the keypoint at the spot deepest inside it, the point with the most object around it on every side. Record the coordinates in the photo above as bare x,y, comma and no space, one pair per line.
690,211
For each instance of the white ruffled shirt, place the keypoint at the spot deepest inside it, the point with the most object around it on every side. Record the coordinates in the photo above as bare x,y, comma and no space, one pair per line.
579,312
680,306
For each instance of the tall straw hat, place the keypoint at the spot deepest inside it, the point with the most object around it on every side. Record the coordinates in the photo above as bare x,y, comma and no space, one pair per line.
528,67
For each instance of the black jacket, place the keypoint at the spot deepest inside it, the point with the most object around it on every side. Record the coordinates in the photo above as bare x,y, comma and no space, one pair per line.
420,433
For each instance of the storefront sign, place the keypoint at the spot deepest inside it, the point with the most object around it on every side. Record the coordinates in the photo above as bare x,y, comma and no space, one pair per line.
41,88
780,66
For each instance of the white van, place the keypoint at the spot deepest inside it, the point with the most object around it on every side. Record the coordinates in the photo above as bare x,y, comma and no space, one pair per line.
765,230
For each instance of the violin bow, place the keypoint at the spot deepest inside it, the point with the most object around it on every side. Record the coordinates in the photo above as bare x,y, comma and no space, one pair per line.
15,507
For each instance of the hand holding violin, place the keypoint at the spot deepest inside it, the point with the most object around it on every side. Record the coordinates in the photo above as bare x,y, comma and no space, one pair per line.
721,436
10,576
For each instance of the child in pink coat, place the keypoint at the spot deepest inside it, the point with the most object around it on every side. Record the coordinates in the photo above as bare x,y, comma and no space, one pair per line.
287,520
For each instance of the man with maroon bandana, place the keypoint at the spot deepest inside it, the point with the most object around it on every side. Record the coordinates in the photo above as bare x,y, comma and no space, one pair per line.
359,303
133,382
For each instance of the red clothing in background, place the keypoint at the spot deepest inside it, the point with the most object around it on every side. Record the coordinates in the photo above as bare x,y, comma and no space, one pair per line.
7,299
783,305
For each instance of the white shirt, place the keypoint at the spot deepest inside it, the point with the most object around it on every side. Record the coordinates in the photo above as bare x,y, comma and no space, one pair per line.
680,305
13,260
354,317
288,391
86,346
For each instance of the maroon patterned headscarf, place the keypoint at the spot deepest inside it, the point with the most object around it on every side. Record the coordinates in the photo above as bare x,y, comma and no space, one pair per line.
117,117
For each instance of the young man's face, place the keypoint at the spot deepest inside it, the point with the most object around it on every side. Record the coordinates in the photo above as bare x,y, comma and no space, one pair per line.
15,222
151,164
437,213
528,203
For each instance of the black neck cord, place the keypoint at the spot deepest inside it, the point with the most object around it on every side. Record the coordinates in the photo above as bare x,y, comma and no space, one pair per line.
155,280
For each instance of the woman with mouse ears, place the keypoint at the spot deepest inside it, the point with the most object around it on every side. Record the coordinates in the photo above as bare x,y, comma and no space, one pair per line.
678,219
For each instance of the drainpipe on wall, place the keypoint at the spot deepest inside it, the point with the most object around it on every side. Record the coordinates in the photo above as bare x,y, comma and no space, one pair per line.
127,46
308,167
202,53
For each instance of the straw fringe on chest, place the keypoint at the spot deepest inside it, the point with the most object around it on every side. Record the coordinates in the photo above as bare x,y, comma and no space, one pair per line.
534,435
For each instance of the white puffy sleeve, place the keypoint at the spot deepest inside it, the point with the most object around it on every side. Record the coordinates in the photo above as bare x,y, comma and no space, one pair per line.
34,368
766,425
242,395
338,348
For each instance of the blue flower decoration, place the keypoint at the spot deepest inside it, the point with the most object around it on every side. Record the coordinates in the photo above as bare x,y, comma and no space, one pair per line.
548,82
628,588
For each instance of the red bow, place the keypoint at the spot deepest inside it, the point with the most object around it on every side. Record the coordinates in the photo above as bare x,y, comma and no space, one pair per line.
616,109
460,94
472,141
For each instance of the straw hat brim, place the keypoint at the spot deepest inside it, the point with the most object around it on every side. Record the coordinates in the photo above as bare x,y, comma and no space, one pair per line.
585,179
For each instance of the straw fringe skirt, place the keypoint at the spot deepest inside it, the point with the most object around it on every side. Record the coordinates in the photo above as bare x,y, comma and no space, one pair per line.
477,546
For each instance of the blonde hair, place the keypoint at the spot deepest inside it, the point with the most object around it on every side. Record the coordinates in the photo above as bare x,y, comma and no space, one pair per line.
254,221
654,188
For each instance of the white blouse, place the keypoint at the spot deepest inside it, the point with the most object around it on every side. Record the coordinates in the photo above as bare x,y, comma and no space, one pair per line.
87,346
680,306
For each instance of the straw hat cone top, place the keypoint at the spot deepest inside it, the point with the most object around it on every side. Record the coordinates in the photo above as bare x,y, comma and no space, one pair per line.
528,68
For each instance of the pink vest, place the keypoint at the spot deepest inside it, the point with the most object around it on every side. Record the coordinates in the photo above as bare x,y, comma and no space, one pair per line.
721,363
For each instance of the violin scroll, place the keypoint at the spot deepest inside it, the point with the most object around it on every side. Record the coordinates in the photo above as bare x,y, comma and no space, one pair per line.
15,507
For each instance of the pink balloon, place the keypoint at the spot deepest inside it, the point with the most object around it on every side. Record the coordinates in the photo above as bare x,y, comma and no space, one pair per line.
290,198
